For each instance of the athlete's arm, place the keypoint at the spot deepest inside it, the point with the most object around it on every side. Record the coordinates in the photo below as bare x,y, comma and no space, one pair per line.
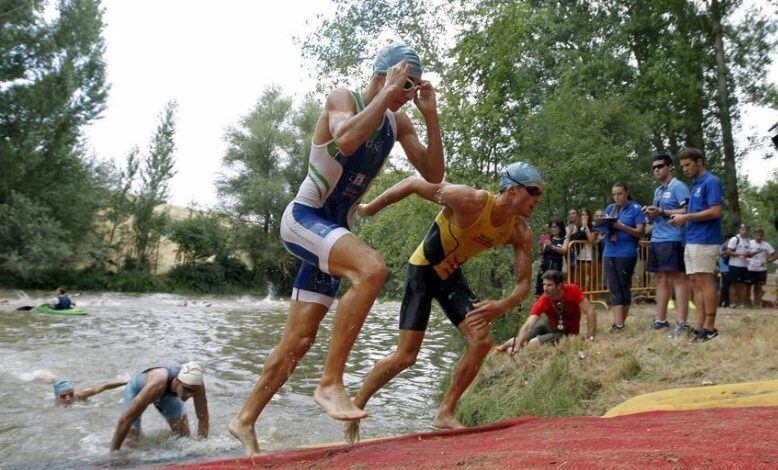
487,310
201,409
458,197
152,390
428,160
85,393
351,130
591,318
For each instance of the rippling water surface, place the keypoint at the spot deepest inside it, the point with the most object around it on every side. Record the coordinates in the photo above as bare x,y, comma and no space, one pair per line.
230,336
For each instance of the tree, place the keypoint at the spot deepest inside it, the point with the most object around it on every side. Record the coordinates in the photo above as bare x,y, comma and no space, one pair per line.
155,174
266,159
199,237
52,85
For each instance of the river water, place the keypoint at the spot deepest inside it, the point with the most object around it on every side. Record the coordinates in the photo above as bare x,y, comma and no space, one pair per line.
229,336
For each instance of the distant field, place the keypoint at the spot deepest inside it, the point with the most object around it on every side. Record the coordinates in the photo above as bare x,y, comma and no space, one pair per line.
580,378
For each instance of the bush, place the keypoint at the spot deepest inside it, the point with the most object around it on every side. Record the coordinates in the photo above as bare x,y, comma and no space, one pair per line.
199,277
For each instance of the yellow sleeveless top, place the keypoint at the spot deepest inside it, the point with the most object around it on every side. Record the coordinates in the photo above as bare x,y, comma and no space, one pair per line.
446,246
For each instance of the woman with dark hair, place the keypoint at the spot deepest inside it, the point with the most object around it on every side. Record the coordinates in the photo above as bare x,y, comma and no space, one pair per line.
582,254
554,250
621,250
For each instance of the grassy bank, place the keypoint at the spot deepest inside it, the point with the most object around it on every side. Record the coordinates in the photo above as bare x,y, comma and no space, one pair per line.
580,378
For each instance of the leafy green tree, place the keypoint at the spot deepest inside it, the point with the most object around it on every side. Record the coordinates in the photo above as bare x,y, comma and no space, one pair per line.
35,240
155,173
52,84
199,237
266,159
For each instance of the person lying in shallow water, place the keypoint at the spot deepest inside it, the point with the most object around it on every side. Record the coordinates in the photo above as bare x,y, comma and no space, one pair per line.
65,394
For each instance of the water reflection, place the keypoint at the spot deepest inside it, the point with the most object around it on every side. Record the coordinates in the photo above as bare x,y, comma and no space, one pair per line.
230,336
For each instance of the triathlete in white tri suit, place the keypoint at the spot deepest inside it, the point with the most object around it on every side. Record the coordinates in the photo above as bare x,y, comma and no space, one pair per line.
351,142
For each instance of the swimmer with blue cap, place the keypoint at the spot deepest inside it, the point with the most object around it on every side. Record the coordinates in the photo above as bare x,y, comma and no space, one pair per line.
352,140
65,394
470,222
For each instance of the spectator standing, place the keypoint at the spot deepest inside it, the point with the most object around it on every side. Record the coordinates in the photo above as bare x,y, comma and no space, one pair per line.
761,254
583,252
739,250
723,275
665,252
703,237
553,250
621,251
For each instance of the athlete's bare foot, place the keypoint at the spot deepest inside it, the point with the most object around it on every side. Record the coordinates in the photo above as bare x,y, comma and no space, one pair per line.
337,404
445,420
245,434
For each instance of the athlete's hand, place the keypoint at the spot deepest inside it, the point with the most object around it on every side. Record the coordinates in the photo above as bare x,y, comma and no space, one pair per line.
484,312
425,99
362,211
396,77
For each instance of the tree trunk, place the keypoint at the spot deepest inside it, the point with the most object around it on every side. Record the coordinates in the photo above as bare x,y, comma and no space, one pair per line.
730,170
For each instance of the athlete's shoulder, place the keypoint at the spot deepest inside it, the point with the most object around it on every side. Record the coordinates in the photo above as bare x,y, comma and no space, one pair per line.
340,98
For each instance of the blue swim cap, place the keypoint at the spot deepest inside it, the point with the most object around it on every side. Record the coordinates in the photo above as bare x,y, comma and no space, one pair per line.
62,386
520,173
393,54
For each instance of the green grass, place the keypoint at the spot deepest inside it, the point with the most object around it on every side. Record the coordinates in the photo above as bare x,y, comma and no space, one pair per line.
579,378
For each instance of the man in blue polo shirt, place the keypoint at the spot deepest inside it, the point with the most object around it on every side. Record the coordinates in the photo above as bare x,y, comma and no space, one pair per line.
703,238
665,252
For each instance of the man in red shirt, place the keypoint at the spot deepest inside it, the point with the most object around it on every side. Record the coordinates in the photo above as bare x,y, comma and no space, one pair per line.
555,314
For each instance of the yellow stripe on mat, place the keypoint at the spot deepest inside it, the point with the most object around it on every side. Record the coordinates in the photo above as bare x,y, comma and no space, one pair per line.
738,395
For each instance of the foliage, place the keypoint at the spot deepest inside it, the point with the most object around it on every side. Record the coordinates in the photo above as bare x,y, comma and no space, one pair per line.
155,174
265,162
52,84
35,240
199,237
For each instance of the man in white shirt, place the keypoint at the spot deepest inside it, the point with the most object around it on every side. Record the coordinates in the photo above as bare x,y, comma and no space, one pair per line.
739,249
761,254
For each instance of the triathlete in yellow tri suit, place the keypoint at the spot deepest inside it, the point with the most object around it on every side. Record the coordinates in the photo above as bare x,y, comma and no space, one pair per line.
471,221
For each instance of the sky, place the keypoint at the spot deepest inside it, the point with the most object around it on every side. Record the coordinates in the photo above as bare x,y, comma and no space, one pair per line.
215,59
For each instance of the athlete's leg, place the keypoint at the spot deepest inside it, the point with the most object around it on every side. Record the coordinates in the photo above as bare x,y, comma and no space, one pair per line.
386,369
364,267
299,334
478,343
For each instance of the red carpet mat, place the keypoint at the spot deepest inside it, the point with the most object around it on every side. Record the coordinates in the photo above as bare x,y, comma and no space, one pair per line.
722,438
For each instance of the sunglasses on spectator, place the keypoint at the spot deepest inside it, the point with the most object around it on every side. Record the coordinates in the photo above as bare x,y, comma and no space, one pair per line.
660,166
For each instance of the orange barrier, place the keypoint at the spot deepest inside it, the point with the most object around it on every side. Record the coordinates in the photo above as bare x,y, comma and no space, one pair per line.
588,273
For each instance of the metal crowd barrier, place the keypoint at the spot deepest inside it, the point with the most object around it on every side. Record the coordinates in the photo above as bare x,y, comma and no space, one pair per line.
584,268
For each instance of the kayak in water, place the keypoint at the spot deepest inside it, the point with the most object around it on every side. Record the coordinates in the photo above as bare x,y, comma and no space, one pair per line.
68,312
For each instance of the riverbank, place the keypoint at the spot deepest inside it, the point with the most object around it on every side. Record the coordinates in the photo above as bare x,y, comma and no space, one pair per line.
578,378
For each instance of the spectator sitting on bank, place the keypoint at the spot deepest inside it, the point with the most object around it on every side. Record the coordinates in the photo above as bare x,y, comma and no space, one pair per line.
739,250
62,301
761,254
555,314
621,251
553,248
